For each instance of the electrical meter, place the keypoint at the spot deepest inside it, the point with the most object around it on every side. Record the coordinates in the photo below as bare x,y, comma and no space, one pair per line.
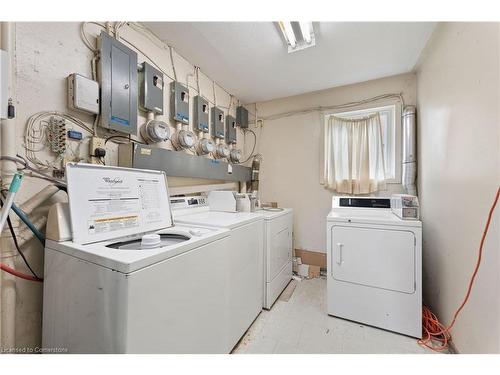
235,155
205,146
183,139
221,151
155,131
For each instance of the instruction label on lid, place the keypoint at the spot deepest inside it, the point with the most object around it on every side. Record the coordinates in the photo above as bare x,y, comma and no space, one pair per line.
112,202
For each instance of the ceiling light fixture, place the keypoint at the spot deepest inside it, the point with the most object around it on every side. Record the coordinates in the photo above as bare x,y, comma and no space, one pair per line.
298,34
287,30
305,29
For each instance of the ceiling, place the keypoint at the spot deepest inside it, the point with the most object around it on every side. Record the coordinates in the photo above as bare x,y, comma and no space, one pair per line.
251,61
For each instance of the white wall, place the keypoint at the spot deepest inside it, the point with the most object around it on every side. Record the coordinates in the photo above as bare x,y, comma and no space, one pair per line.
46,53
459,172
290,146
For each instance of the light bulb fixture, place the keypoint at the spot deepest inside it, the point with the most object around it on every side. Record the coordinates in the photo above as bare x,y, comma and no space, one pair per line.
298,35
305,29
287,30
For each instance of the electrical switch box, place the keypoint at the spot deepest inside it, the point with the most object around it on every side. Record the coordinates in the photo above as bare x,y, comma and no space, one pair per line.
230,130
217,123
83,94
151,88
179,106
242,117
4,72
200,114
117,71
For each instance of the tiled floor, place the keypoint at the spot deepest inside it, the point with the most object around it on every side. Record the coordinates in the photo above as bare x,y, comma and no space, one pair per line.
301,325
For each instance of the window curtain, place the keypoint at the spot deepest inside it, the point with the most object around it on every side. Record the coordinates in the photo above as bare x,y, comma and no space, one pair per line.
353,155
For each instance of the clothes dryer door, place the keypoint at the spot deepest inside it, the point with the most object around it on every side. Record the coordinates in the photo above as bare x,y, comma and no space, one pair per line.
373,257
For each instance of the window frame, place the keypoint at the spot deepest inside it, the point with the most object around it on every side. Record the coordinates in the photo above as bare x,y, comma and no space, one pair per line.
395,108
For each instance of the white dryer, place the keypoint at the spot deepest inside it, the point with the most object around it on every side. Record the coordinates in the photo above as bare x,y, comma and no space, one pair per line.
374,265
278,238
128,281
245,257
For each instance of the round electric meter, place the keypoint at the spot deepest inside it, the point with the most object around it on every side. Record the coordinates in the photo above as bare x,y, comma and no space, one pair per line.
235,155
205,146
183,139
222,151
155,131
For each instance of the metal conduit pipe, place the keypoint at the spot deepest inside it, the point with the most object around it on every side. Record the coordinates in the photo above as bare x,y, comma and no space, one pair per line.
409,150
7,252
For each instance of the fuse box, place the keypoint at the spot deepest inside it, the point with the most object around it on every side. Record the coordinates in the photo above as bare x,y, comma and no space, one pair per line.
151,88
230,130
217,122
242,117
117,71
179,97
200,114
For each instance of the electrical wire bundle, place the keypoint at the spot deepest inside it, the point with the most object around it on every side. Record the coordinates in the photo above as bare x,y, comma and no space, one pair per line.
48,129
436,335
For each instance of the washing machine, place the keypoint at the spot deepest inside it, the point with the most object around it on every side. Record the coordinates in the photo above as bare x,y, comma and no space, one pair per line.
278,249
374,265
119,277
245,257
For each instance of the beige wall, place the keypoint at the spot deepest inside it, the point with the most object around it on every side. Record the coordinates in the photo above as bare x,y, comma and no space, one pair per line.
46,53
459,172
291,151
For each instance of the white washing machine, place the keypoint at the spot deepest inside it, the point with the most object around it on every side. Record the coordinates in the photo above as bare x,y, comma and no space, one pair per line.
245,259
127,280
278,239
374,265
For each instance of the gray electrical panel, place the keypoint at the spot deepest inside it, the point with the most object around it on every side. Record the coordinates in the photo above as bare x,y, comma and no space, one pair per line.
242,117
217,123
151,88
179,106
117,70
200,114
230,129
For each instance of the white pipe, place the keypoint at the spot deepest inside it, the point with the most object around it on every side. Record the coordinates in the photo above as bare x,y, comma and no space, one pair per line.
35,201
8,148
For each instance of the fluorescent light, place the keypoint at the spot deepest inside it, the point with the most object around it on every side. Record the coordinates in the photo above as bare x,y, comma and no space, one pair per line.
287,30
305,29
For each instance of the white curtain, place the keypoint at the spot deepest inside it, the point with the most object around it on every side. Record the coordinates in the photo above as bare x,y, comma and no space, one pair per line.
353,155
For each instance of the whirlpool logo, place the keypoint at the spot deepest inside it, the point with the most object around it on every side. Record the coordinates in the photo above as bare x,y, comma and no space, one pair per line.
113,180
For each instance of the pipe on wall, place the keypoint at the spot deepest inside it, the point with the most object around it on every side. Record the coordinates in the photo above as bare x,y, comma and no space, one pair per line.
409,150
8,148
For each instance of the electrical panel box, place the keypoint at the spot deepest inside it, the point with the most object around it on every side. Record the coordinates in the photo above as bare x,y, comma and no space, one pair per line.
117,70
200,114
151,88
217,123
83,94
179,97
230,129
4,72
242,117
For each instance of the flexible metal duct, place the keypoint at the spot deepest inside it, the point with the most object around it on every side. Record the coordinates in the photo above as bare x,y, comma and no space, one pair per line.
409,150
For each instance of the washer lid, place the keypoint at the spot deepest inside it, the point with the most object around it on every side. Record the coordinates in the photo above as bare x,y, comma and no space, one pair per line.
111,202
219,219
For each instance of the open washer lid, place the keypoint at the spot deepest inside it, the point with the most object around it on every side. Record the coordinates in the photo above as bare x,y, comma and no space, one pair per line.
108,202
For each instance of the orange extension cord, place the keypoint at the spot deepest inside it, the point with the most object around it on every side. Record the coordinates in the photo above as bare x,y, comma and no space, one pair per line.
437,336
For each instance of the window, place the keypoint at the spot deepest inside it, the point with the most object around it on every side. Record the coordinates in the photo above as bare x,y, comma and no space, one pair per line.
390,136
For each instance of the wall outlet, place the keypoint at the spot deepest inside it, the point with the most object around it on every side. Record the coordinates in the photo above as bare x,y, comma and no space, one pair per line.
96,143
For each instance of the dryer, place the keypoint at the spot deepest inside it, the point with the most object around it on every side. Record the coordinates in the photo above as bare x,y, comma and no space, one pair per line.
374,265
127,280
